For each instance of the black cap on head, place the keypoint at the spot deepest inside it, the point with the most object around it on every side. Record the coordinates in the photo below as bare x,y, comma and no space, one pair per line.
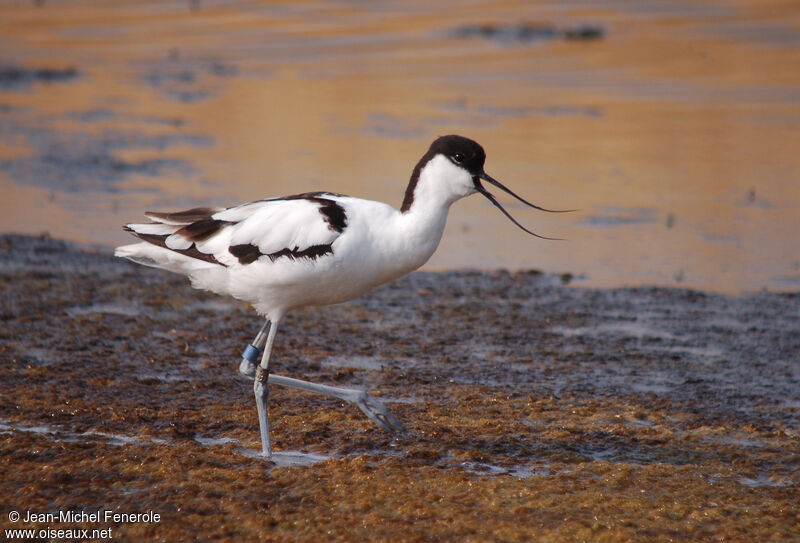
461,151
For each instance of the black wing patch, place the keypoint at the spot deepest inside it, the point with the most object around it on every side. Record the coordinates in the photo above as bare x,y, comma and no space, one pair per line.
333,213
248,253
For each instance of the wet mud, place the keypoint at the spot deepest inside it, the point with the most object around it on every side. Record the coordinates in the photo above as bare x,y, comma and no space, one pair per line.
535,410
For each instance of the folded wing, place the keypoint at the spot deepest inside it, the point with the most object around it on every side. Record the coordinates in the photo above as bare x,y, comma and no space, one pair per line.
303,226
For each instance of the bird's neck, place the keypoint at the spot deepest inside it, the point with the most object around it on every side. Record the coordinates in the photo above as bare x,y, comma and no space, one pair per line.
434,185
424,212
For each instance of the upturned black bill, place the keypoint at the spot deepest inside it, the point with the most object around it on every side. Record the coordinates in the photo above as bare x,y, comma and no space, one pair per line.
480,188
486,177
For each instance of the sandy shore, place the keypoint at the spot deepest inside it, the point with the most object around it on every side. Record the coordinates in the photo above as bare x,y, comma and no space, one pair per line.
535,410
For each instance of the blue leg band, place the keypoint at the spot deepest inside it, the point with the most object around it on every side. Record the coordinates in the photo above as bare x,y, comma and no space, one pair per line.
252,354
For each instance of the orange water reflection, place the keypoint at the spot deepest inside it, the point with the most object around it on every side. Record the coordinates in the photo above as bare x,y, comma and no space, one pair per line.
675,133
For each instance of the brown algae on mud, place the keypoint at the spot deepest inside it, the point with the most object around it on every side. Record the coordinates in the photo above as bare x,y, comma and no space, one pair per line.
536,411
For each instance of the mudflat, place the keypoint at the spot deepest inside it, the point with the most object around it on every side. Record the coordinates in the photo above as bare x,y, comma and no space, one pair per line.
535,410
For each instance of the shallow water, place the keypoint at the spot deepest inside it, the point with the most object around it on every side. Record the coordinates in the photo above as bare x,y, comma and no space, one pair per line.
670,125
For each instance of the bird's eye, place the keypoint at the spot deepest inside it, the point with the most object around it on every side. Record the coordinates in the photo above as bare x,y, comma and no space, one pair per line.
458,158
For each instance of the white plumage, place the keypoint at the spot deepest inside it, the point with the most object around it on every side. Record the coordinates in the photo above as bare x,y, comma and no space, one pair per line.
363,255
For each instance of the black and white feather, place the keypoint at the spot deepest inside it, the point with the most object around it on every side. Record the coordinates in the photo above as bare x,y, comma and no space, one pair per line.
300,226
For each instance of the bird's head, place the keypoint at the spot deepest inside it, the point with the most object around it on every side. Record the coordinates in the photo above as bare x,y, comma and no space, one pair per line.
454,165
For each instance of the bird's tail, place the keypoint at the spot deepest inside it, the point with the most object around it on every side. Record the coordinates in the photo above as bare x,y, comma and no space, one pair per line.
154,256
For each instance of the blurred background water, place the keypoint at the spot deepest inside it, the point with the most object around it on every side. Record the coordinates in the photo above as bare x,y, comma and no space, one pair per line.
673,126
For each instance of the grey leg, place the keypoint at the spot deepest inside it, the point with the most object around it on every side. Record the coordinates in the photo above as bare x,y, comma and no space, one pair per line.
252,353
371,407
262,345
261,390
